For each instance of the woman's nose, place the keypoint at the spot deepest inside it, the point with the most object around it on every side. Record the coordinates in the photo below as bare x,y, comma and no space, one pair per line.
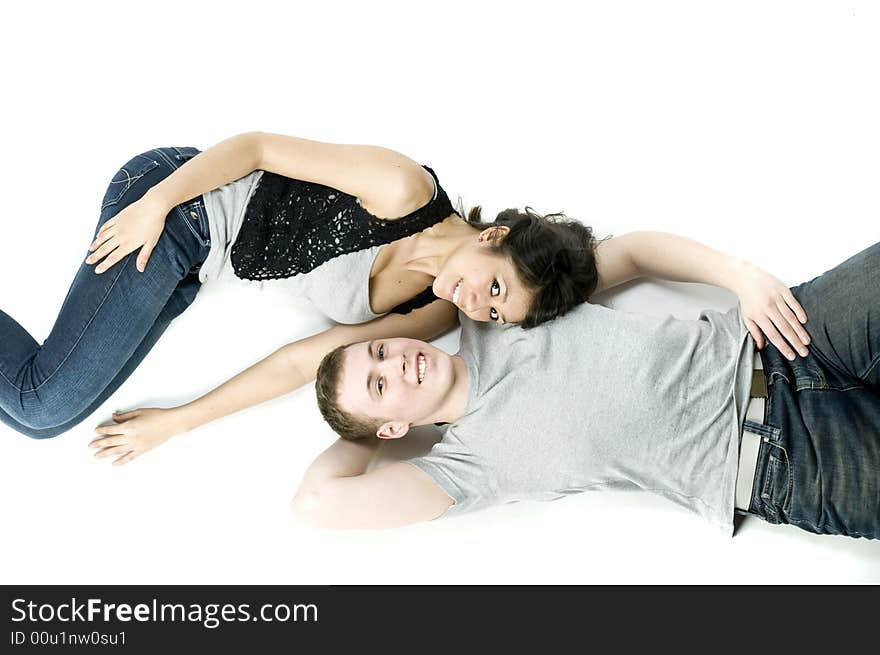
474,303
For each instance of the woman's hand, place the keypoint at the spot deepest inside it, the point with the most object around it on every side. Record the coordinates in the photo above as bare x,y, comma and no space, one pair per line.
137,226
768,305
134,433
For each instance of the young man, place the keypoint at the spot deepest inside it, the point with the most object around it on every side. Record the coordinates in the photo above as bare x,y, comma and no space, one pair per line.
608,399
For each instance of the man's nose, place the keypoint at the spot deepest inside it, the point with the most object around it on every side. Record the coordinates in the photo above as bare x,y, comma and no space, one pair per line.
395,365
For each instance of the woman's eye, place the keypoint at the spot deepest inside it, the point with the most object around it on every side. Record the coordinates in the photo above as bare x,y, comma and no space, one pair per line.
380,386
381,352
493,314
496,288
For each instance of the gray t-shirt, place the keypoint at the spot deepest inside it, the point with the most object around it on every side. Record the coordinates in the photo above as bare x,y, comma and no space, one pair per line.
600,398
338,288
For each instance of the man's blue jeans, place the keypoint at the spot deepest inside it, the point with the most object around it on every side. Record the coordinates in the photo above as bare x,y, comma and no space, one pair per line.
109,322
819,463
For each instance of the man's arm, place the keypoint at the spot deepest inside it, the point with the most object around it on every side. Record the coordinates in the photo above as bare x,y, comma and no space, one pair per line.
336,492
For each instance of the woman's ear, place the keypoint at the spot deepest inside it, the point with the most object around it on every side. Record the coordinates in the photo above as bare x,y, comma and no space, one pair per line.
494,235
392,430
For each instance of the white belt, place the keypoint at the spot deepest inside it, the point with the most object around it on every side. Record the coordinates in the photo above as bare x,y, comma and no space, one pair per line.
749,446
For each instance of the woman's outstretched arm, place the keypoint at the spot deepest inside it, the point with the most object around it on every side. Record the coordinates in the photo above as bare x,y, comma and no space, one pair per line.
386,182
285,370
768,307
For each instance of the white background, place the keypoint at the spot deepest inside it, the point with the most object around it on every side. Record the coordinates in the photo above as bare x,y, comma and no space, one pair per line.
749,126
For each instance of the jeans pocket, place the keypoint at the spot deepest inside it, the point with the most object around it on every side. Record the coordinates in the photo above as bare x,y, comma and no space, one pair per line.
195,217
778,479
807,376
126,177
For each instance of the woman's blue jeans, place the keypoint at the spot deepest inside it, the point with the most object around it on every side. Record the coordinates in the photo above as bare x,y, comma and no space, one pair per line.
108,322
819,462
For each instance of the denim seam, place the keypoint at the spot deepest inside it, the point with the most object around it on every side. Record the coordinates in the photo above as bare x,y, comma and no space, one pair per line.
774,375
786,502
129,181
128,184
167,160
813,387
764,495
828,362
871,367
824,526
84,330
813,528
125,181
768,412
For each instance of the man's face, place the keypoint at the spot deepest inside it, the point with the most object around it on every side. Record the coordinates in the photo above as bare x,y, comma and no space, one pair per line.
395,380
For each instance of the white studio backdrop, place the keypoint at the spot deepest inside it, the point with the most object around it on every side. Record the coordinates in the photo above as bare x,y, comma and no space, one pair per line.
750,126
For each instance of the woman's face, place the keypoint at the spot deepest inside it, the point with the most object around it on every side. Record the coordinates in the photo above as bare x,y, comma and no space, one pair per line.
484,285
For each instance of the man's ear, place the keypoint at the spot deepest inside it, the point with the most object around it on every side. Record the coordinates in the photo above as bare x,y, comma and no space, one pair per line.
392,430
494,234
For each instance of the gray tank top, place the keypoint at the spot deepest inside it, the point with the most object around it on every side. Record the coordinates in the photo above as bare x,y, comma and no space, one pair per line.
339,288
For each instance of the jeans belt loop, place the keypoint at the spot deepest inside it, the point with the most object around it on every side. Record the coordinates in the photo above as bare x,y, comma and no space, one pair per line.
750,443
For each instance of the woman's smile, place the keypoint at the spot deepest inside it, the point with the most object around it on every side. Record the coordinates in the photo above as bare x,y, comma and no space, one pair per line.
456,292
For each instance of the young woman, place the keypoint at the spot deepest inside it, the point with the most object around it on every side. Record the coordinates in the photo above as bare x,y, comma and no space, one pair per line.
305,215
362,231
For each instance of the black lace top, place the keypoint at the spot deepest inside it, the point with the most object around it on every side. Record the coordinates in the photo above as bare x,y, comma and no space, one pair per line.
292,227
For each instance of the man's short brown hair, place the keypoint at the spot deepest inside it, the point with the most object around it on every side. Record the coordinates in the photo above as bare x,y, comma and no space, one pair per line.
346,425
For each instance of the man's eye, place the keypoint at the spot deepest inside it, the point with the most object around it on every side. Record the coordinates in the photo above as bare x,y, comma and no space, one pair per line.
493,314
496,288
381,352
380,386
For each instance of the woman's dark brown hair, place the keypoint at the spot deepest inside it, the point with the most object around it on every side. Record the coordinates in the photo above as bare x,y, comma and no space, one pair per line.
554,256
